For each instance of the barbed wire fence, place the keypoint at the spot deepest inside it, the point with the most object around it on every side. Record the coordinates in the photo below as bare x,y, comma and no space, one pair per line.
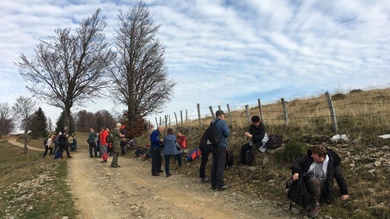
286,112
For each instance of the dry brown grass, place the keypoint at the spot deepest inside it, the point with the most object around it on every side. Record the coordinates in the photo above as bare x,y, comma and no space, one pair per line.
361,115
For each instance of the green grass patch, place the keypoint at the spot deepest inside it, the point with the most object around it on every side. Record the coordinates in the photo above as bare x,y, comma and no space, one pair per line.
33,187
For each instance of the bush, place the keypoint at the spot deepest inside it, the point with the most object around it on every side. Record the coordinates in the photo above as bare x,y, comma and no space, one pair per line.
292,151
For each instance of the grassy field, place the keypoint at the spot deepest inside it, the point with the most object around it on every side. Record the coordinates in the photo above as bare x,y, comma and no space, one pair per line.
32,187
362,115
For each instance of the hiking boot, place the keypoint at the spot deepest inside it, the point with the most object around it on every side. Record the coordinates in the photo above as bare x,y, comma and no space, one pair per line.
223,188
115,166
314,211
169,174
155,174
205,180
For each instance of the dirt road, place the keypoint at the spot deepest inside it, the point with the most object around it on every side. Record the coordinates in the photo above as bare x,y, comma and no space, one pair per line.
16,143
131,192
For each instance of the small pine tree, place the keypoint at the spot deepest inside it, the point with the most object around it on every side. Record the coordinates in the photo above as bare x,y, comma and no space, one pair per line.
38,124
60,124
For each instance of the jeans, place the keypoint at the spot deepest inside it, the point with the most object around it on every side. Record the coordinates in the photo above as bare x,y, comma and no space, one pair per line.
205,158
46,149
244,149
92,146
168,158
156,160
218,166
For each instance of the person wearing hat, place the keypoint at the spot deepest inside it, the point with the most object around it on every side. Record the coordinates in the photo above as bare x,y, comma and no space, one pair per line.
219,152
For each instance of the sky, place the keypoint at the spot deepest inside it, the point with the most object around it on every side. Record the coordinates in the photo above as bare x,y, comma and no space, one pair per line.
223,52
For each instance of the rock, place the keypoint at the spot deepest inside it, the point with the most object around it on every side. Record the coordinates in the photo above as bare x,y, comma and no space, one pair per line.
372,171
369,166
295,210
377,163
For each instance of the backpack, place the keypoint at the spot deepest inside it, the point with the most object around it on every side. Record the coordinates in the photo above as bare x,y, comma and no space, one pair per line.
275,141
212,135
298,193
229,158
193,154
45,141
109,138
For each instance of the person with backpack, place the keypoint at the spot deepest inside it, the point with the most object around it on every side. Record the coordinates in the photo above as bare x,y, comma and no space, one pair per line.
181,142
116,148
205,149
123,143
319,167
109,140
56,143
156,144
47,143
103,144
92,143
257,139
170,150
219,152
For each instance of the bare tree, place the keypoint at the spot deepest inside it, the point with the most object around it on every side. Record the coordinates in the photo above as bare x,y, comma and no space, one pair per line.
6,121
71,69
23,109
140,76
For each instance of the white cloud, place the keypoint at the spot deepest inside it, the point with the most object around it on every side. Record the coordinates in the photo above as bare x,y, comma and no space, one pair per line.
223,53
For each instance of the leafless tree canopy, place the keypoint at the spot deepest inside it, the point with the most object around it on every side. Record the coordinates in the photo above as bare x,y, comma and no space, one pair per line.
6,122
71,68
140,74
22,109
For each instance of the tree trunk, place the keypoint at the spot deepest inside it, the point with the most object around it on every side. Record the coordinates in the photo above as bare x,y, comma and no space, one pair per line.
25,149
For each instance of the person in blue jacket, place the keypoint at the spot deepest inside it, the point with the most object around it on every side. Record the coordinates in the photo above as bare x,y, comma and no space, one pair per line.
219,152
156,144
170,149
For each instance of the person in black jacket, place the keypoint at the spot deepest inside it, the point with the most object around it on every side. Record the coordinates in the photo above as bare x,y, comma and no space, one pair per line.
257,137
320,166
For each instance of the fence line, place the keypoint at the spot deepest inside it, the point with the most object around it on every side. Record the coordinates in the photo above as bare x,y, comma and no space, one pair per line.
285,114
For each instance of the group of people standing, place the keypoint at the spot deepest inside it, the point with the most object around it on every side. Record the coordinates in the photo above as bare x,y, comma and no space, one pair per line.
107,143
61,143
319,167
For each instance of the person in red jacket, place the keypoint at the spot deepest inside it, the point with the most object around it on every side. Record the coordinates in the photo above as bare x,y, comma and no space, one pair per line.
103,144
181,142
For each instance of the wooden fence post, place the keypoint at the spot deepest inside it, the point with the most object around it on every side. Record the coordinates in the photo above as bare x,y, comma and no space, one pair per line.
247,113
285,115
186,116
260,111
230,116
175,117
219,107
200,121
212,112
156,122
332,112
181,119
